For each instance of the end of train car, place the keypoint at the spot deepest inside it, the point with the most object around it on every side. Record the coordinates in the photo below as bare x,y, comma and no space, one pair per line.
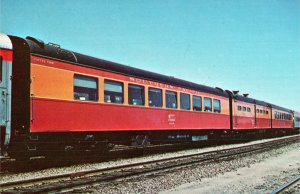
5,88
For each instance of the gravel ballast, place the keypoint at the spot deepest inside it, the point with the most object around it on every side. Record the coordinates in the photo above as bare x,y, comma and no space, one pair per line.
192,180
256,173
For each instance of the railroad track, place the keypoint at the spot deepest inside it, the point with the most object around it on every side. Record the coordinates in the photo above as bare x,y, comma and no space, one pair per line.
9,165
73,181
293,183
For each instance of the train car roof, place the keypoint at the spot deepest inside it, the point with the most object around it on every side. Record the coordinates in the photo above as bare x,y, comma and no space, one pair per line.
281,108
55,51
259,102
251,100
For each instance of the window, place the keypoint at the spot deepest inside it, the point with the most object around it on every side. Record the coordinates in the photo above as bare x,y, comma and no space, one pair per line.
136,95
276,115
217,106
155,97
239,108
264,112
185,101
197,103
113,92
257,111
85,88
267,112
244,108
171,99
248,109
260,111
207,105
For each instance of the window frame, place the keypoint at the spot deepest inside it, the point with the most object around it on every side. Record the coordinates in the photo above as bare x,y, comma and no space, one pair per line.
193,99
189,101
143,95
239,108
280,115
205,110
167,92
122,93
217,100
161,97
76,88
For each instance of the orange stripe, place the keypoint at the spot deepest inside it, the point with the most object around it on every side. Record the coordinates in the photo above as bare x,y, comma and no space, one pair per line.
54,83
51,82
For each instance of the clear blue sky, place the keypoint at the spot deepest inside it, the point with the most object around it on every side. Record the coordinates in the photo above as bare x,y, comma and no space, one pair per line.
247,45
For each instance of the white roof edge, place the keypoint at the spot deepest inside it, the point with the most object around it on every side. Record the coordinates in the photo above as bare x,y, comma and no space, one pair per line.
5,41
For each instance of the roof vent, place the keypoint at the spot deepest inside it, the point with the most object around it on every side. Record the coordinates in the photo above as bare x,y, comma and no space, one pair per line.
235,92
246,95
229,92
39,42
219,89
53,44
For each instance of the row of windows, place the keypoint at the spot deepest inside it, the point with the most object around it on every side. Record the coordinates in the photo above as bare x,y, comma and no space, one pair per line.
243,108
282,116
247,109
259,111
86,88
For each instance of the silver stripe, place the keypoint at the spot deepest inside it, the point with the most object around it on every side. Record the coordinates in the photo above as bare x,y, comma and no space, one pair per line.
5,41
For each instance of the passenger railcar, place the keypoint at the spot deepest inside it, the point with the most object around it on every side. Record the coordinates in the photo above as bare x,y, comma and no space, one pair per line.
57,99
251,114
281,117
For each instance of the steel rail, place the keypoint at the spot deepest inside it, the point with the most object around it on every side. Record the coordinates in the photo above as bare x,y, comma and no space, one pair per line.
285,186
122,172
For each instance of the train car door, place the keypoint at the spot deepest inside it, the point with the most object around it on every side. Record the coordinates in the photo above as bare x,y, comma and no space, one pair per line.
3,101
5,85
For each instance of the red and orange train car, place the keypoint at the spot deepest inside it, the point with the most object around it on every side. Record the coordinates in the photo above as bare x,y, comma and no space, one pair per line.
57,99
